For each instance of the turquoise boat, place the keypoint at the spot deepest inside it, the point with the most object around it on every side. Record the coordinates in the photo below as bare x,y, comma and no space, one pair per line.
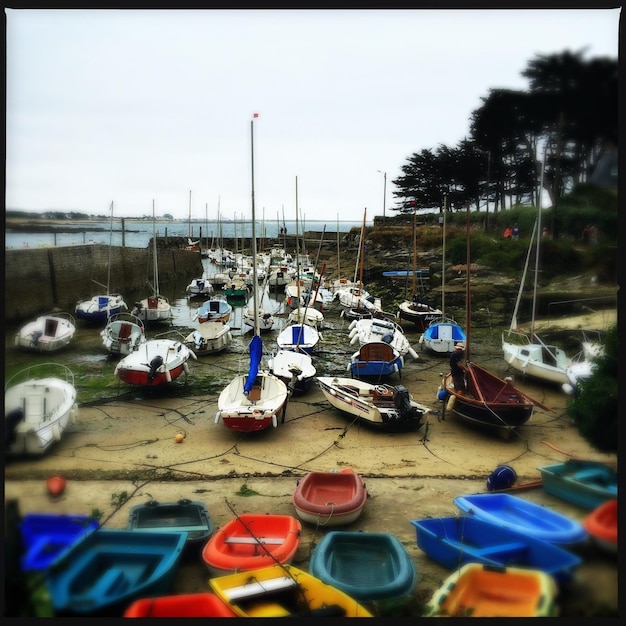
108,569
587,484
366,566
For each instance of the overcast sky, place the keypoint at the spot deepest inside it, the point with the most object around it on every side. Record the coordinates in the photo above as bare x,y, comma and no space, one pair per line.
134,106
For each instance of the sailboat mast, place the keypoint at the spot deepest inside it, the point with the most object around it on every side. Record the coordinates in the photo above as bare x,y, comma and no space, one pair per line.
467,285
297,247
254,277
338,254
154,248
110,246
532,321
362,255
190,231
414,251
443,258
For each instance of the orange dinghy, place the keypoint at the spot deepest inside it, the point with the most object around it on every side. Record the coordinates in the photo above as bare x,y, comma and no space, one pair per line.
330,498
480,590
251,541
601,524
183,605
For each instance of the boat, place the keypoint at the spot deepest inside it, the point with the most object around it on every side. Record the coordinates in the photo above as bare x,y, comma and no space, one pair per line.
199,287
123,334
214,310
106,570
201,604
298,337
155,362
526,352
236,292
39,406
479,590
47,333
265,320
330,499
295,369
601,525
586,484
284,591
416,310
250,541
368,566
375,359
190,516
380,406
489,402
306,315
98,309
252,402
209,338
455,540
534,520
154,308
368,329
47,535
443,333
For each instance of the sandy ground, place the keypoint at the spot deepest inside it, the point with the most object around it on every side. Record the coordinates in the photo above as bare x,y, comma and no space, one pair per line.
121,453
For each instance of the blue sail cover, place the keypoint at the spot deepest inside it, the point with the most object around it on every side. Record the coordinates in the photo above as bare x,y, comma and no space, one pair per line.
256,352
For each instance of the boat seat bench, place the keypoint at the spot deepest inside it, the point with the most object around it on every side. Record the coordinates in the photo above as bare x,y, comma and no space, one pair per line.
269,540
505,548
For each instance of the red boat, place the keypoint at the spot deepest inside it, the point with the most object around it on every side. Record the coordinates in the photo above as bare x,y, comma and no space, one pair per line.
330,498
183,605
251,541
601,524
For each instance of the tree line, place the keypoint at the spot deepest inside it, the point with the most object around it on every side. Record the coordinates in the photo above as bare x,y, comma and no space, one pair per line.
549,136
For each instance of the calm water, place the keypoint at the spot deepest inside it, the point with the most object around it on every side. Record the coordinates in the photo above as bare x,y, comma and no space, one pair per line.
138,232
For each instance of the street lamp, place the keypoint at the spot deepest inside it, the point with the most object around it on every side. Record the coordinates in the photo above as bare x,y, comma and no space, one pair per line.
384,191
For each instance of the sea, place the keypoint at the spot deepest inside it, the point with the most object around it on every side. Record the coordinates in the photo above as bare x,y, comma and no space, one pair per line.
138,233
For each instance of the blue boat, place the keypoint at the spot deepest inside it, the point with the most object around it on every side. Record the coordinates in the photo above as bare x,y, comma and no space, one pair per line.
46,535
587,484
376,359
100,308
366,566
534,520
442,335
456,540
108,569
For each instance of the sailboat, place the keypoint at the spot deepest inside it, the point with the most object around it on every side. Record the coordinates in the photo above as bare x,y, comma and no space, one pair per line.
123,334
154,308
489,402
526,352
253,401
444,333
101,307
417,310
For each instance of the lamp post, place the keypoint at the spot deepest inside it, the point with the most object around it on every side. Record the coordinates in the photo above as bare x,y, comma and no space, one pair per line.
384,191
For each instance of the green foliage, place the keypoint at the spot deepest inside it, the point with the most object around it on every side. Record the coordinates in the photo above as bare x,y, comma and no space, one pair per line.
594,409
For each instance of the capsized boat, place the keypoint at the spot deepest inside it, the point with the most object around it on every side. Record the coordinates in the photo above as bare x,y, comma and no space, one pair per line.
250,541
376,360
209,338
47,333
479,590
253,401
455,540
284,591
601,524
295,369
123,333
584,483
184,515
156,362
201,604
381,406
368,566
47,535
106,570
39,405
541,522
330,498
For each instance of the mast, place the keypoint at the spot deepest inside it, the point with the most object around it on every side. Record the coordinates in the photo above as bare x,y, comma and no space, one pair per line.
362,255
467,284
154,248
532,320
443,259
190,231
297,247
338,255
254,277
414,251
110,246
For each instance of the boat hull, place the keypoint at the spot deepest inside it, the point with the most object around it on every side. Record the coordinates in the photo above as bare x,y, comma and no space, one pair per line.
601,524
546,363
48,333
180,605
330,499
99,309
455,540
367,566
421,315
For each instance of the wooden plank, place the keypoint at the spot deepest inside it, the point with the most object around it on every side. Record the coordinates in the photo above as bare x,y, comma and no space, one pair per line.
259,588
269,540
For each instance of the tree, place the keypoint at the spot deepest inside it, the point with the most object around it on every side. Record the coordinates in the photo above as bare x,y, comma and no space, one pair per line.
594,409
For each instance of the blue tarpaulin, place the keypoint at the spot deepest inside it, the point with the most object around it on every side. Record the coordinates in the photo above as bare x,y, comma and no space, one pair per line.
256,352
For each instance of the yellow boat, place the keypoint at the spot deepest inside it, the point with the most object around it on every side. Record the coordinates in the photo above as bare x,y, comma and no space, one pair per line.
281,591
480,590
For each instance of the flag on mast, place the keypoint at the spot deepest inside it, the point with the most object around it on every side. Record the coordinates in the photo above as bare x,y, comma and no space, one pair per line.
255,115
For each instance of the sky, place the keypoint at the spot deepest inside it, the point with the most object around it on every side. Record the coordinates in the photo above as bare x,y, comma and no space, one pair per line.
157,107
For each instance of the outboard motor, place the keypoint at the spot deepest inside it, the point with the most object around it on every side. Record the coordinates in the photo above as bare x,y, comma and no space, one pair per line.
35,337
371,299
11,421
406,411
156,362
388,338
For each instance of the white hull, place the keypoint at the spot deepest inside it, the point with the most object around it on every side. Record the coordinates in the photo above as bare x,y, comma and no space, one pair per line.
371,329
48,333
47,407
442,336
546,363
153,309
209,338
311,317
123,334
265,320
199,287
287,364
301,337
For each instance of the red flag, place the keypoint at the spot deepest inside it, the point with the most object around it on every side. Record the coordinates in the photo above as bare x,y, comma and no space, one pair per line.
255,115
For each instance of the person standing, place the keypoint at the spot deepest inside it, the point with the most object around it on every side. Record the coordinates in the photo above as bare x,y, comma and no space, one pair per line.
515,231
457,369
441,221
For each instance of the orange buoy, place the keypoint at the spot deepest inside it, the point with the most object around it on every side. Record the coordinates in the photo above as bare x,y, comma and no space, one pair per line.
179,437
55,485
